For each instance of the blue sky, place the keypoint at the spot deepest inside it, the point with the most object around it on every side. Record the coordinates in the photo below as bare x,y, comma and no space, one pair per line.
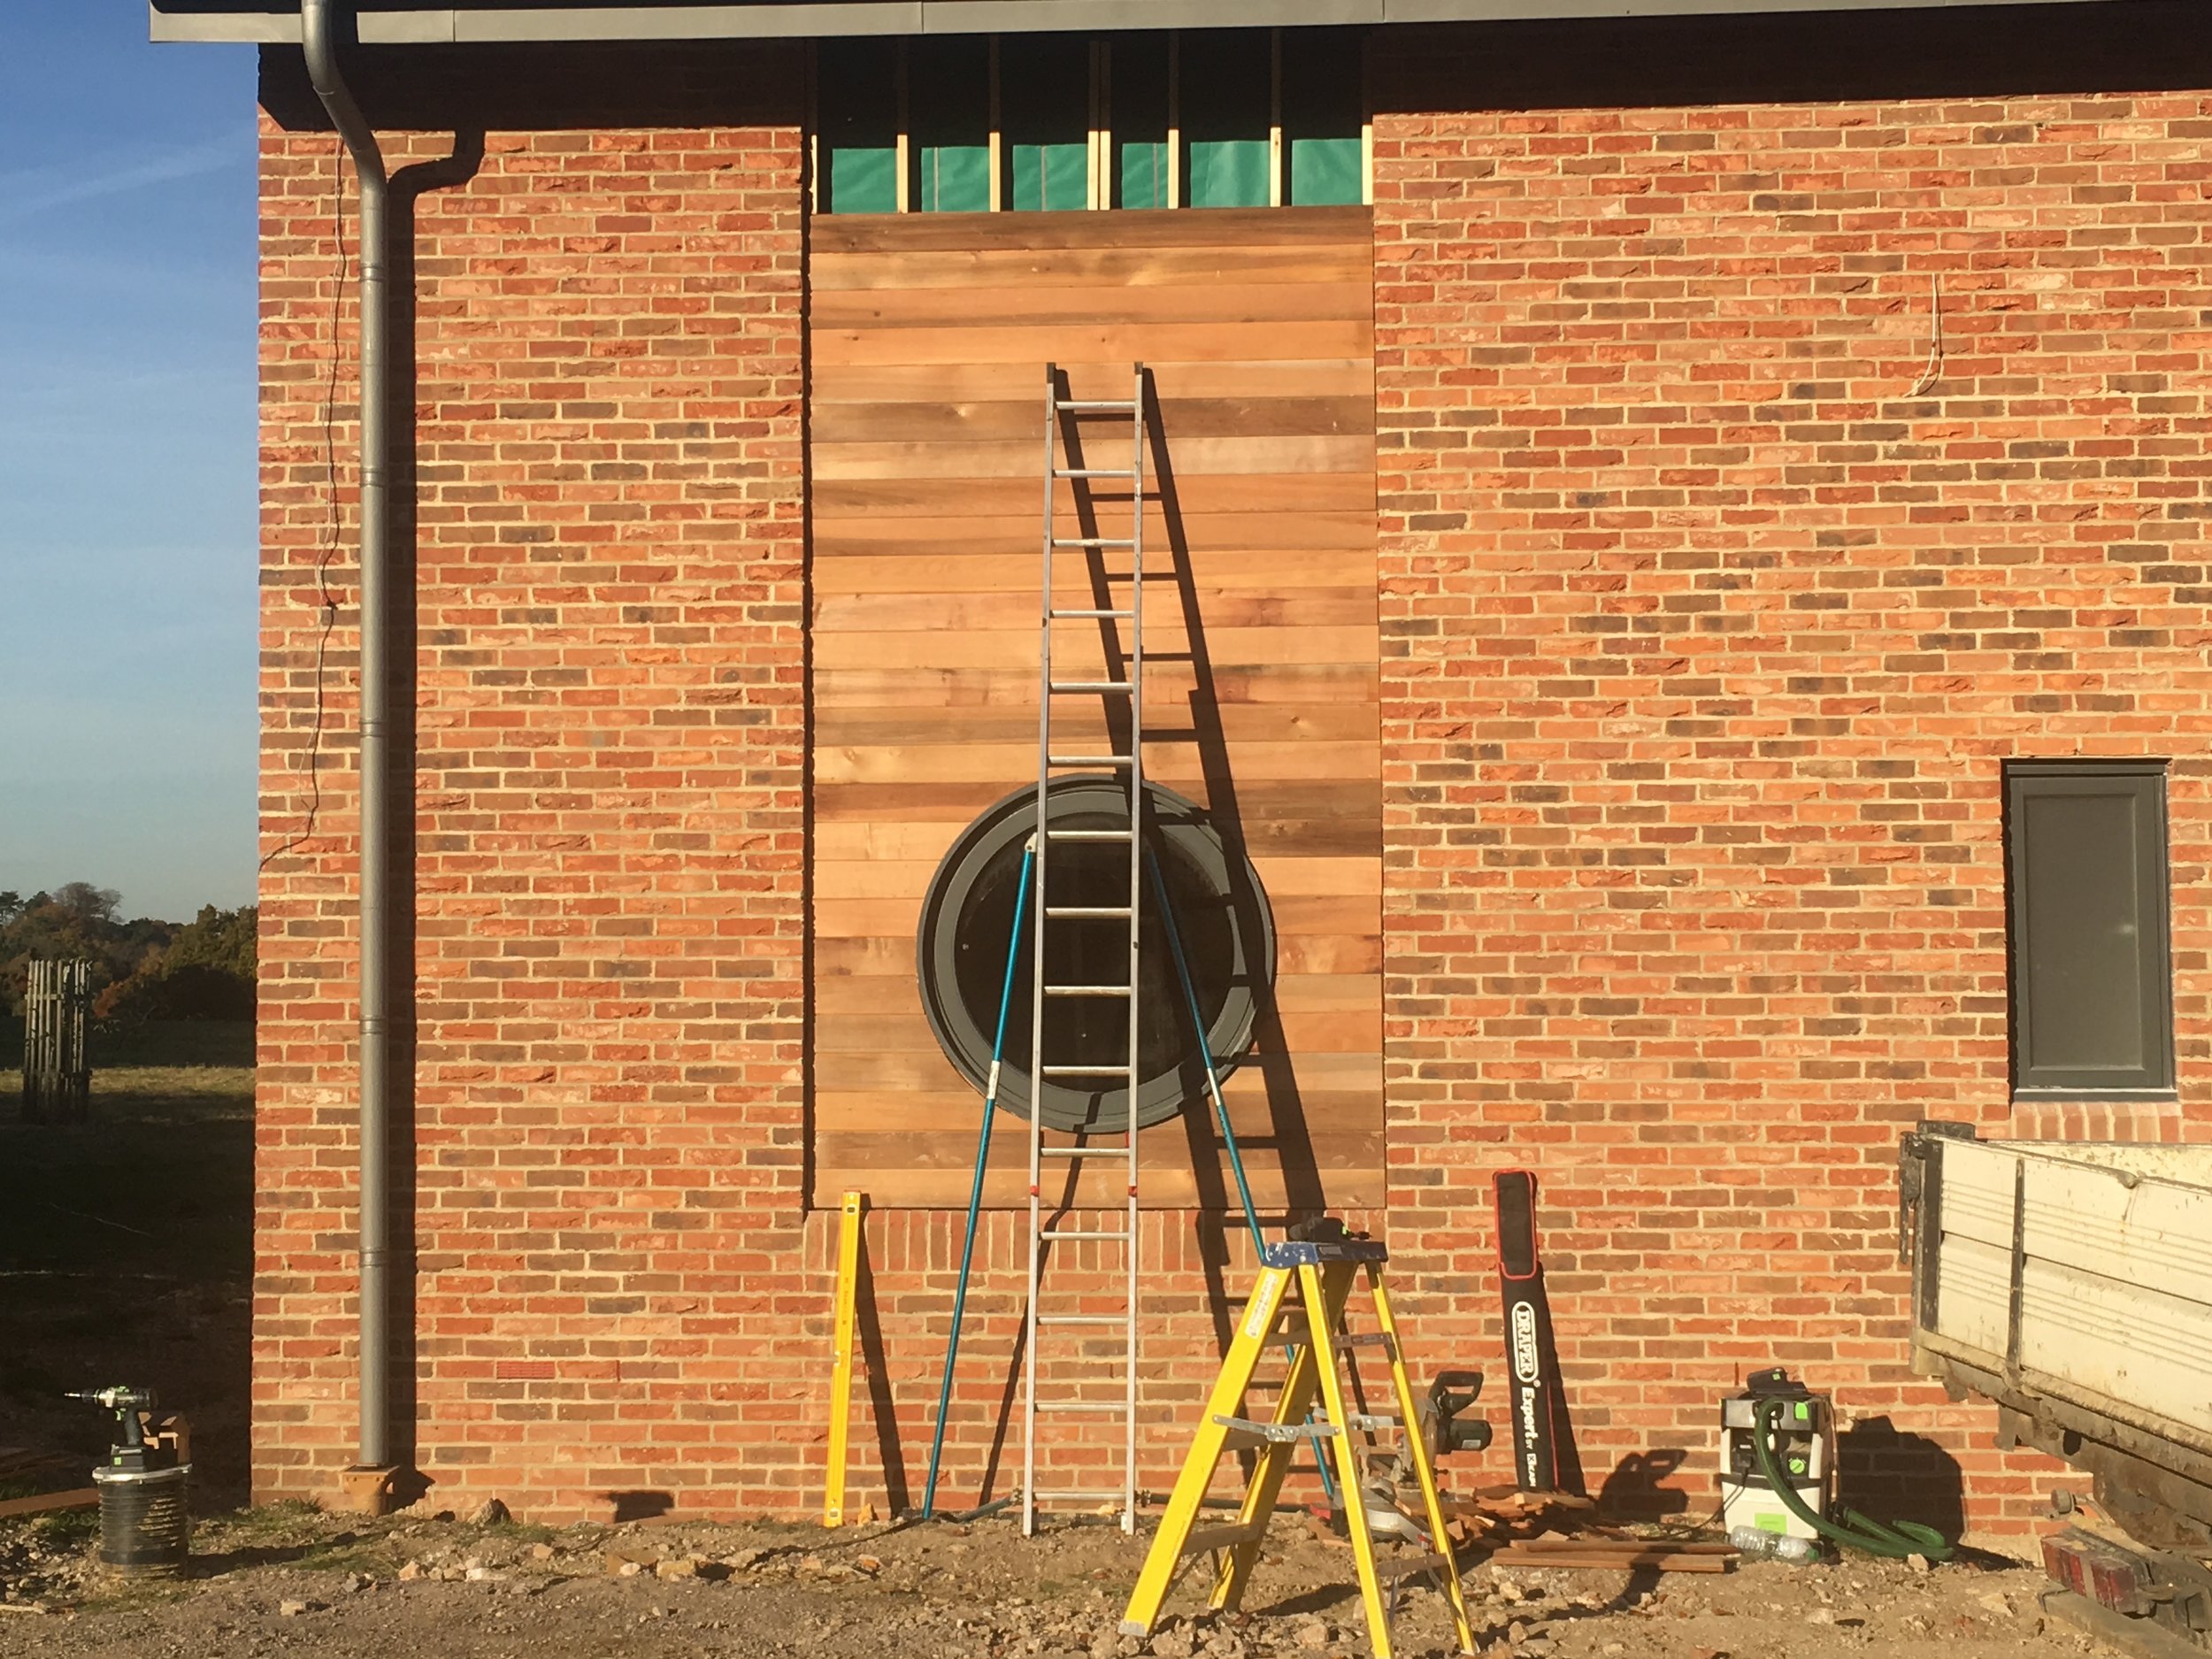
126,458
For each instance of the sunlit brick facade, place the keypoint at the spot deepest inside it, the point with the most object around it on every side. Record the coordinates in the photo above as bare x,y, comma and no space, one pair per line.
1712,593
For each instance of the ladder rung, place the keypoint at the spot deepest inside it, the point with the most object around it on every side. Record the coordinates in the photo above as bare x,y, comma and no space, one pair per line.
1095,912
1082,1405
1062,1494
1094,541
1098,406
1371,1422
1212,1538
1093,472
1089,760
1054,1233
1120,686
1090,616
1087,990
1082,1318
1086,1152
1085,1071
1087,835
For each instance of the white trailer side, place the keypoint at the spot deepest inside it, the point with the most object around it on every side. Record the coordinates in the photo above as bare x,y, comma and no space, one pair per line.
2071,1283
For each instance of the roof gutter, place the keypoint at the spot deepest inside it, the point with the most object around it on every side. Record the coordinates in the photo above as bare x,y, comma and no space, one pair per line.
370,1480
421,24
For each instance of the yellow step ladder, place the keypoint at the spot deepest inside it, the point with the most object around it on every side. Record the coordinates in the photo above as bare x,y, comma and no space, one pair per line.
1320,1274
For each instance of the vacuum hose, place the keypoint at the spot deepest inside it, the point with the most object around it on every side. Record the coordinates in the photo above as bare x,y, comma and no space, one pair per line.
1895,1540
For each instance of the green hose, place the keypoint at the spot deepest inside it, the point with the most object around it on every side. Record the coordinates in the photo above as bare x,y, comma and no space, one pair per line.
1895,1540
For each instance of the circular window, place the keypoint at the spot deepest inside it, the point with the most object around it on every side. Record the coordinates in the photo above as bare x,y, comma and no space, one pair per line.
1220,919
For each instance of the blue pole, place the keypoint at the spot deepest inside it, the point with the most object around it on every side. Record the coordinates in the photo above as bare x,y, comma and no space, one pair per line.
975,1193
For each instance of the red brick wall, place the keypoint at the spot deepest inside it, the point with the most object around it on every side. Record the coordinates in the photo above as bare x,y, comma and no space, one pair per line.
621,1301
1704,639
609,812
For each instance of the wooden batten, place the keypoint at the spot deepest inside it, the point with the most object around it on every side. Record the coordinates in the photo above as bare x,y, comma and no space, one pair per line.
928,338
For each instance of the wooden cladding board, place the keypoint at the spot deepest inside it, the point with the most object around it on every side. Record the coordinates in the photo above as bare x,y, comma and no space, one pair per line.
928,338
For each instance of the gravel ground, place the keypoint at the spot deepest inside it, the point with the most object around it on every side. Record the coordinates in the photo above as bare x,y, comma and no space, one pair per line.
292,1580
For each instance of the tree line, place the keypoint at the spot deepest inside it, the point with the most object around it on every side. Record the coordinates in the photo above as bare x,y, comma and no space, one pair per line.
143,968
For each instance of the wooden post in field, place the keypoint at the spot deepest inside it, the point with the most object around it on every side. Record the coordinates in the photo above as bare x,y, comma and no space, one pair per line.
57,1041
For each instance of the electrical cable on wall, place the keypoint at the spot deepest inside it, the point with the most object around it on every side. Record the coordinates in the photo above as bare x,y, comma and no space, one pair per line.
1934,372
334,527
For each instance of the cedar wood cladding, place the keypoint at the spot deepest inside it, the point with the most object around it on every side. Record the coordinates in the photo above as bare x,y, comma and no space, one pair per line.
927,337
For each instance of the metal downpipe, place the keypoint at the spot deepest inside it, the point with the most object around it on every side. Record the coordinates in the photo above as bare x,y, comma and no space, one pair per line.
379,1032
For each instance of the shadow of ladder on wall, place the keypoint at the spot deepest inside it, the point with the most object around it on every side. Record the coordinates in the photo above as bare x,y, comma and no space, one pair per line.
1119,622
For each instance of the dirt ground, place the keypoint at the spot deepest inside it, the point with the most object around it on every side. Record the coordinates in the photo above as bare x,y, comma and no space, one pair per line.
290,1580
125,1256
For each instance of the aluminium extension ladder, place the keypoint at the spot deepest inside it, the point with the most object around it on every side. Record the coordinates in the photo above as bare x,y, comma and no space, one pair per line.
1029,902
1123,622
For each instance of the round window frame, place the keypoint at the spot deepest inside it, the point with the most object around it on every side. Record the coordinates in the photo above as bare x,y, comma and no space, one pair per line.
1172,818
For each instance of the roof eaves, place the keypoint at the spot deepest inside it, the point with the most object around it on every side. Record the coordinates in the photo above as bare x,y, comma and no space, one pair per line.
436,24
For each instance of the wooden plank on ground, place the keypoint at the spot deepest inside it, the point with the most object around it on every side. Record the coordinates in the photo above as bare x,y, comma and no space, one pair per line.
76,1498
1650,1560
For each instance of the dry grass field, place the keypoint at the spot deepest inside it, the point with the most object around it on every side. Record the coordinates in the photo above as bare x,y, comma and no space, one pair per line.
125,1244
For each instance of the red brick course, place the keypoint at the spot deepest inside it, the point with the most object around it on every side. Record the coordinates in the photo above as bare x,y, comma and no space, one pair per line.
608,1121
1706,629
1704,639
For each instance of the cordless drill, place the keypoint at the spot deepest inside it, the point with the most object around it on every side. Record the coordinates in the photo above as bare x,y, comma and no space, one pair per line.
132,1450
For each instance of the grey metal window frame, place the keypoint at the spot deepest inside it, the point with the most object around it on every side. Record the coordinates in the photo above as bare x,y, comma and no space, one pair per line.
1179,825
2026,779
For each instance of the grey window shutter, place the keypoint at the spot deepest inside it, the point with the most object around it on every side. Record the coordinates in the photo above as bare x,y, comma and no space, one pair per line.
2085,875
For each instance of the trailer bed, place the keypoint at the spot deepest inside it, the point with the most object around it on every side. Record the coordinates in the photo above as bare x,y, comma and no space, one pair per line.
2085,1269
2071,1284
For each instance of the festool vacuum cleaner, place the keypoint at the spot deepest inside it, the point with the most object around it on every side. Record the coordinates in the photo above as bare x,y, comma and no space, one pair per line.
1778,1473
